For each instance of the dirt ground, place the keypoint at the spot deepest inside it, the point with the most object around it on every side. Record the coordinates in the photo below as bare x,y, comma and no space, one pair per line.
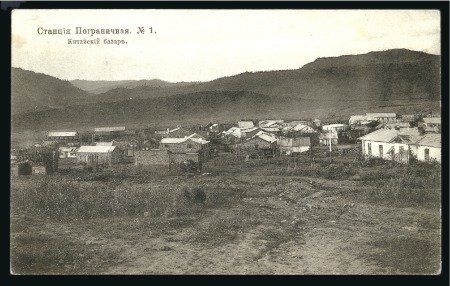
280,225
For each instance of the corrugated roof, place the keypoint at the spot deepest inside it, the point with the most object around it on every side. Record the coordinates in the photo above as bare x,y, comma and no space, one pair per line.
96,149
432,140
334,125
245,130
269,123
62,133
381,135
173,140
358,117
388,135
109,129
300,126
67,149
381,114
433,120
195,135
199,140
264,136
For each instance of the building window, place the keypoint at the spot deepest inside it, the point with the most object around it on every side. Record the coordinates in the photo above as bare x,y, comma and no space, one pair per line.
166,145
381,150
427,154
402,149
189,145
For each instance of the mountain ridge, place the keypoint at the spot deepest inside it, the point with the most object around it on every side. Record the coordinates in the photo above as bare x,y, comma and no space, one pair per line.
395,77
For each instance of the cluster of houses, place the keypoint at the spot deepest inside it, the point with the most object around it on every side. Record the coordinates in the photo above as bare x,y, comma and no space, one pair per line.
384,135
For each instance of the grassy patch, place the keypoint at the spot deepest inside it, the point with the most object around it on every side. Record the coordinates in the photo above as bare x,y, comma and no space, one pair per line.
219,229
408,255
63,197
418,184
42,254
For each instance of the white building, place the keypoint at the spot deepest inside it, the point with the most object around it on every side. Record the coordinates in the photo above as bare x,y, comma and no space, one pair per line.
303,128
335,127
245,124
288,146
395,145
429,148
382,117
358,120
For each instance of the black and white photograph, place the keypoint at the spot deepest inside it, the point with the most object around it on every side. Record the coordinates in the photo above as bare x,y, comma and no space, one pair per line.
226,142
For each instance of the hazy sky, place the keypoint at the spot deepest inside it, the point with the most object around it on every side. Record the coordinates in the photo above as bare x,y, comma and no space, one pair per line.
200,45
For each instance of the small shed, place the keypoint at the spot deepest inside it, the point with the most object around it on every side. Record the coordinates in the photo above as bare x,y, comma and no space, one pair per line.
245,124
288,146
99,155
67,152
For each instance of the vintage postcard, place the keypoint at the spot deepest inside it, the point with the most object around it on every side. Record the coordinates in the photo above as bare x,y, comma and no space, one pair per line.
209,141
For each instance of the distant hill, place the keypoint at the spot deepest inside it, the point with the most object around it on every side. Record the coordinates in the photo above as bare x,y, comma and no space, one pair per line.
390,75
32,91
201,107
394,80
197,106
102,86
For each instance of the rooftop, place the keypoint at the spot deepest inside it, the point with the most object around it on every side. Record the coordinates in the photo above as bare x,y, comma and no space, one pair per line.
381,114
432,120
96,149
432,140
264,136
381,135
300,126
109,129
62,134
173,140
334,125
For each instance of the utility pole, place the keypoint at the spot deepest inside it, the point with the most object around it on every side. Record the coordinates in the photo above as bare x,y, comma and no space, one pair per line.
330,145
311,151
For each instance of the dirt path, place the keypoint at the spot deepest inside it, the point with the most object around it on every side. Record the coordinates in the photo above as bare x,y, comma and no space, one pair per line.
304,228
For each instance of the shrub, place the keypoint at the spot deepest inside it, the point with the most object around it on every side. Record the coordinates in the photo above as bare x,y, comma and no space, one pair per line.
62,197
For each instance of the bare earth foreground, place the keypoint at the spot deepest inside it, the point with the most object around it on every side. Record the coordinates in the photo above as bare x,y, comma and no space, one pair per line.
258,217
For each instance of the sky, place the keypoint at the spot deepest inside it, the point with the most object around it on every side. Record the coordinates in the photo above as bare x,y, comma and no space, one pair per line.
201,45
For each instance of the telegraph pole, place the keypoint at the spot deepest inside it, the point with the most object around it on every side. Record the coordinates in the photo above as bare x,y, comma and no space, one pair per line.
330,145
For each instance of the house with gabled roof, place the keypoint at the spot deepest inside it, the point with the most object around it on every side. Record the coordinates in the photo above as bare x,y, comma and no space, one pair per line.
383,117
99,155
262,143
429,148
62,136
399,146
289,146
187,145
302,129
